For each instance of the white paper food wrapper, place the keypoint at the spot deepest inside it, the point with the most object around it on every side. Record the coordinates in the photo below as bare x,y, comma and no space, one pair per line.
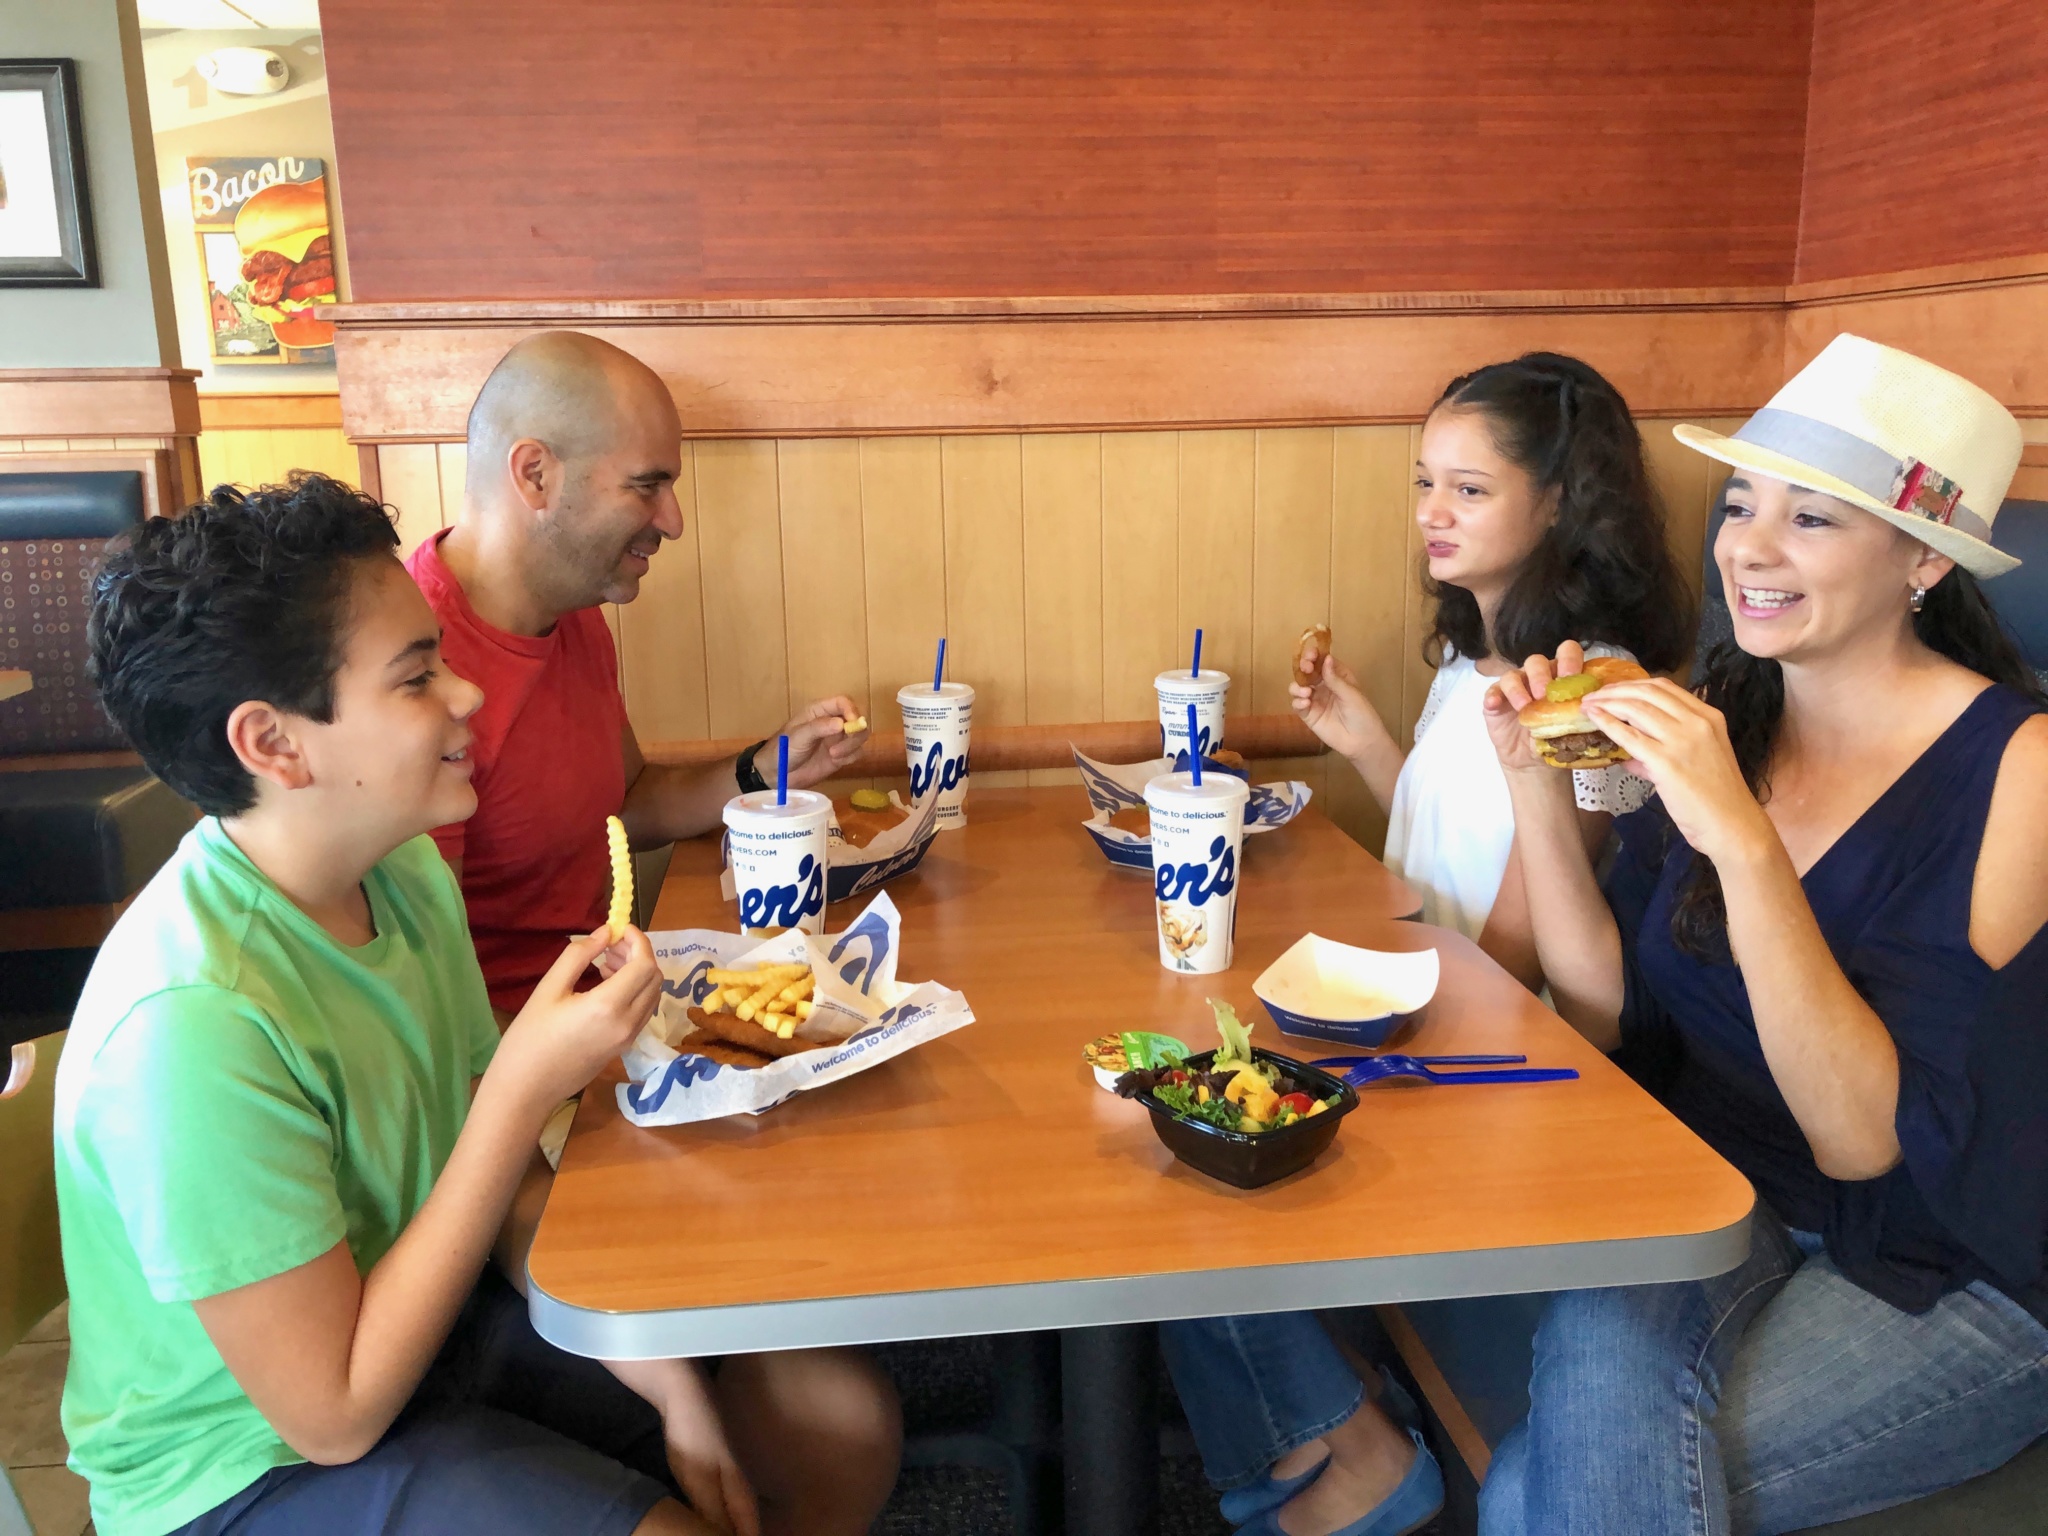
1114,787
858,1006
856,871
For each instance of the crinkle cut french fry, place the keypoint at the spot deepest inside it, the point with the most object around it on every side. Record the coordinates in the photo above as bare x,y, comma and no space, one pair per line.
803,1007
786,1030
796,990
753,975
621,913
761,998
714,1000
857,723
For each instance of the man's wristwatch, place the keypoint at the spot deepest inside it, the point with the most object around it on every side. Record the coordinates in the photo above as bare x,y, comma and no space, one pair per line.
749,776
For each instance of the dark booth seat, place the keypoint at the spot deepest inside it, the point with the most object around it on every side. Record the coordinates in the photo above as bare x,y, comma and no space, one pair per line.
76,841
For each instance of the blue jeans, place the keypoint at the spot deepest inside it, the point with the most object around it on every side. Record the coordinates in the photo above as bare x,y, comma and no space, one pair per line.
1773,1398
1255,1388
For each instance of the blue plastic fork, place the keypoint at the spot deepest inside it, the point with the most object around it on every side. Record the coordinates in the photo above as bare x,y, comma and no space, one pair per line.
1360,1070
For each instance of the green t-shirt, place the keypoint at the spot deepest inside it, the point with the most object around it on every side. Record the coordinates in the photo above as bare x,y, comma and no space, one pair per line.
239,1092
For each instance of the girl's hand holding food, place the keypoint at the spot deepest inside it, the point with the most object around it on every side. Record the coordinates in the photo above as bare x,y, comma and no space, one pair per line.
1680,743
1334,706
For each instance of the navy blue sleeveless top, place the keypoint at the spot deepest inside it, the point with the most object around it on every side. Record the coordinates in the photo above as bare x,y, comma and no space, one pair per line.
1969,1199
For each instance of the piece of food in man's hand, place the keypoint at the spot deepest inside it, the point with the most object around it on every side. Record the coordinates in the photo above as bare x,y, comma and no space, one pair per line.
1314,642
621,912
1134,819
867,815
1565,735
857,723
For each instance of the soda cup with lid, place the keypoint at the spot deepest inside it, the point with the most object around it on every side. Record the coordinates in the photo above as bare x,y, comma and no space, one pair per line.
937,727
778,855
1197,842
1178,689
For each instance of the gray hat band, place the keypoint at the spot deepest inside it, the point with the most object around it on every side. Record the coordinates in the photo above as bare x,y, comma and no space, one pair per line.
1853,461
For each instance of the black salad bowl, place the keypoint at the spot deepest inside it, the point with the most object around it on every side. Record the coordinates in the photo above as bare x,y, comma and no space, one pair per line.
1250,1159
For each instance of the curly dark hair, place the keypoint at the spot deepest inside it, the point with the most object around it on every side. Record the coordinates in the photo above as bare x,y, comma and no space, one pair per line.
243,596
1603,571
1957,621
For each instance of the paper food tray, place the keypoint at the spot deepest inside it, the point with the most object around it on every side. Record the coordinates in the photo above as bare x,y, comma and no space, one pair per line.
1114,787
852,871
862,1016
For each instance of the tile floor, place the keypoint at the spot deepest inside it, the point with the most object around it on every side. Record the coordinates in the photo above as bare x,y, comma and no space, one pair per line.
31,1441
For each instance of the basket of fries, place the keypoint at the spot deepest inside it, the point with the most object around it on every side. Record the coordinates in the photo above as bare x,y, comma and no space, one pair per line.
744,1023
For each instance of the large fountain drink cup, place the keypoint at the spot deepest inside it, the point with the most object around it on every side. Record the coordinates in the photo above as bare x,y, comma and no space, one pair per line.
936,727
1197,840
778,858
1177,690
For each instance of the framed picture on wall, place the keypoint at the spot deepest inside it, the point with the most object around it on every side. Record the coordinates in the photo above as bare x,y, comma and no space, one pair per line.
267,255
45,208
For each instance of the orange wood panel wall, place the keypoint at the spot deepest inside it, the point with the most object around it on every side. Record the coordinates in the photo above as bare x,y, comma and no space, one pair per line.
1927,130
637,148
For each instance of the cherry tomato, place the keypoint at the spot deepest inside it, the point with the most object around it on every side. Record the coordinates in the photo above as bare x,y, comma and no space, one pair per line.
1176,1077
1300,1103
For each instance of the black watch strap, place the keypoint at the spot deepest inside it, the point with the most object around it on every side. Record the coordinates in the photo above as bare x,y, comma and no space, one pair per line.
749,776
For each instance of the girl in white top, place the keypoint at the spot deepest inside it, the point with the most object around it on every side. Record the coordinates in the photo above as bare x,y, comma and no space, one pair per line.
1540,525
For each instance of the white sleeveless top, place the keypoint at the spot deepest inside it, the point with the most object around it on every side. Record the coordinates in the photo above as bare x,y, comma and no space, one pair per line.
1451,825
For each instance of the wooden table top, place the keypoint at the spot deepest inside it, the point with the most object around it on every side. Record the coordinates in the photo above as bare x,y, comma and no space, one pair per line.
984,1182
14,681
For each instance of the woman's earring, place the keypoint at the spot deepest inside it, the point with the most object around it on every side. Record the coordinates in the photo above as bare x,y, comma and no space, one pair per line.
1918,600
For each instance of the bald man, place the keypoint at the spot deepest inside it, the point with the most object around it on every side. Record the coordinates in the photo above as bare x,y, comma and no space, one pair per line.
574,448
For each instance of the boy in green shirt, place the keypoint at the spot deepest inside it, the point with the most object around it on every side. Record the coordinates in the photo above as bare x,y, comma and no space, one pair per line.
288,1133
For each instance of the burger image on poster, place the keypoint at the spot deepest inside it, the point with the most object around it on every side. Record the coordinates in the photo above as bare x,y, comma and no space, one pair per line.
288,260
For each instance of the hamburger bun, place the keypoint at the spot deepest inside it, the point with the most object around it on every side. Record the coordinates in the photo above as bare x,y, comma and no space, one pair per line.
1565,735
1315,638
286,217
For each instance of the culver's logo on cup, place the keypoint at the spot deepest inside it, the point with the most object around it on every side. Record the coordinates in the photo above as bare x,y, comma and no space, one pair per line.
1197,842
778,855
937,734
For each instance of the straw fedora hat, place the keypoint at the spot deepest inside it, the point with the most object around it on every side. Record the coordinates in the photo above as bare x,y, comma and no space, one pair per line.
1881,429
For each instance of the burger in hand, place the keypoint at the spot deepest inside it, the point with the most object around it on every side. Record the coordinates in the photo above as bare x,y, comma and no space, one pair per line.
1564,733
288,260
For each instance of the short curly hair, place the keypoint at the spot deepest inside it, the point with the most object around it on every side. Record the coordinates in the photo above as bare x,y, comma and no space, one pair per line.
243,596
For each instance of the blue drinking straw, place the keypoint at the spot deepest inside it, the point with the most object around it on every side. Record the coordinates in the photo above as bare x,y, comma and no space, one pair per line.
1194,745
782,770
1196,669
939,666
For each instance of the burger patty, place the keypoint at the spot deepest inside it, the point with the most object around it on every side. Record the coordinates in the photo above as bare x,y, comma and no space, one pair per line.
1576,743
265,272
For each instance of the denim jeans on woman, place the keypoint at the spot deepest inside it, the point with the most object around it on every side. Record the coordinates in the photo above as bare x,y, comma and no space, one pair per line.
1773,1398
1255,1388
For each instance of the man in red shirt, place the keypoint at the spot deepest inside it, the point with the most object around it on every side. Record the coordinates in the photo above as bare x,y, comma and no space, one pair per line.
574,448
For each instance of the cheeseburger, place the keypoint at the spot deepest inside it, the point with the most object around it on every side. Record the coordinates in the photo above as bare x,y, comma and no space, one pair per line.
1564,733
288,260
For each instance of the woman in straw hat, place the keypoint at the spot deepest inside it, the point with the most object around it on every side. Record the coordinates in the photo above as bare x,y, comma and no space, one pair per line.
1822,945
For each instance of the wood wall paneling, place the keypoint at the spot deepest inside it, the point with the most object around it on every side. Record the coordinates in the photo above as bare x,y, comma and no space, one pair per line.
1218,496
410,475
1994,334
985,562
1063,593
661,634
622,148
746,649
413,376
1925,134
824,593
1140,569
904,549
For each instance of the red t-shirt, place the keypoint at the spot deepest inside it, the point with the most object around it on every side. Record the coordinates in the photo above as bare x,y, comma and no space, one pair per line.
547,768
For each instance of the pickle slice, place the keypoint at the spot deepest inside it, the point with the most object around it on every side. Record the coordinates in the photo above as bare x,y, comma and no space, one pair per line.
870,800
1577,686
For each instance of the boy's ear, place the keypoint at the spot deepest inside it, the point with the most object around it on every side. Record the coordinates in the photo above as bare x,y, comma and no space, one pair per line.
263,741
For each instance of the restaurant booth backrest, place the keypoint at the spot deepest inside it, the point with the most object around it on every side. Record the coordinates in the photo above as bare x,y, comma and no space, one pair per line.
79,834
1482,1346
